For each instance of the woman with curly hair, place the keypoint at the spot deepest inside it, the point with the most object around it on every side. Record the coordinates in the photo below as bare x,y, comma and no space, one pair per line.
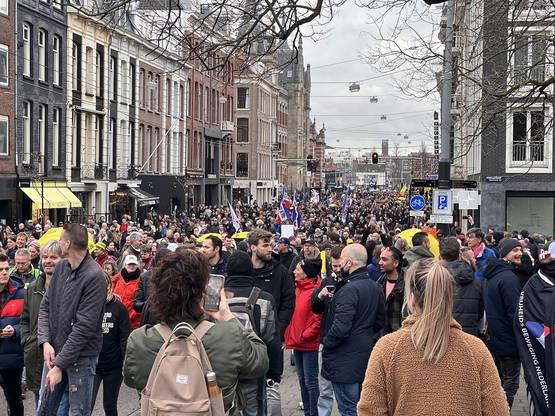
177,290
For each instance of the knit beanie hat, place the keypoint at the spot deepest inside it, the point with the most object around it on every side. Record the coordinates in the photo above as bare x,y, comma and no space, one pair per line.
311,267
239,264
506,245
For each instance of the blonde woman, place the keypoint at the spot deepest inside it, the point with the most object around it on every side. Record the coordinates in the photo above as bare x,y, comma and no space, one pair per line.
430,366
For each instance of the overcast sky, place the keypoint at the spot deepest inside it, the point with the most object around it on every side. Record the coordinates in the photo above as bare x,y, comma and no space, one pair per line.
351,120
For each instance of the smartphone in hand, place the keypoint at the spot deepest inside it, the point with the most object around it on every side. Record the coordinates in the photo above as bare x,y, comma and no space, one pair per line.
213,289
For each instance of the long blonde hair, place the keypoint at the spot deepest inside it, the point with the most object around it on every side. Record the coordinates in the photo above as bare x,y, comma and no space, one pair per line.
432,288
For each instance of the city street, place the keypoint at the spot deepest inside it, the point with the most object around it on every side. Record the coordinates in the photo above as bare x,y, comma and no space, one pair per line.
129,405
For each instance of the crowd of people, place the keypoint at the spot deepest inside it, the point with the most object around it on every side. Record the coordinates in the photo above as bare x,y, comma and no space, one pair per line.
377,323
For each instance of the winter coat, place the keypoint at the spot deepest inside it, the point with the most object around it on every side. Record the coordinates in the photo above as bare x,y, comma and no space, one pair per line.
11,353
25,278
321,306
501,291
241,287
417,253
73,324
464,382
356,316
126,292
220,266
374,269
287,258
141,301
393,303
233,352
303,333
468,307
115,330
482,261
34,361
272,278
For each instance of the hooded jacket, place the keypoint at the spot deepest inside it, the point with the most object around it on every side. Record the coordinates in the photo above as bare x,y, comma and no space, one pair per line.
501,291
126,290
11,353
417,253
241,287
272,278
468,307
303,333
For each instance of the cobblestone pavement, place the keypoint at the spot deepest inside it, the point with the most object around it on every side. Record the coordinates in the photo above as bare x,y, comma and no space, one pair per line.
290,397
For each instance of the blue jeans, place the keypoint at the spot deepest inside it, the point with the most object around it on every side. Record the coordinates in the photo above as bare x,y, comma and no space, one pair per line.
325,401
347,396
306,364
78,381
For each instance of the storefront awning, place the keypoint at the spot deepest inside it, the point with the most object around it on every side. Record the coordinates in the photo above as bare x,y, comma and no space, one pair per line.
52,197
143,198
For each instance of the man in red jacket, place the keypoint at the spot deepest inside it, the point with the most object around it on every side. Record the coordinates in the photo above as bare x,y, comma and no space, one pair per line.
303,333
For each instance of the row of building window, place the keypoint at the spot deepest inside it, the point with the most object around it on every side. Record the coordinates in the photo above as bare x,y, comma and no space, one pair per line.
45,45
44,119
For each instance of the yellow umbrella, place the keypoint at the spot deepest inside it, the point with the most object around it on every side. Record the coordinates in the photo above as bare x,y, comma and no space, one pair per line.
434,244
55,233
240,236
204,236
332,205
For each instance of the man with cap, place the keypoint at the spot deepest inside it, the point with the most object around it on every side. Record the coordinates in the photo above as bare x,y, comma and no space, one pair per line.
239,284
309,252
100,255
286,254
125,285
501,292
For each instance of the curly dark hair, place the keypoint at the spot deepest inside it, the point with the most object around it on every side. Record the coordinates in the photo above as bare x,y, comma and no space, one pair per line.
177,286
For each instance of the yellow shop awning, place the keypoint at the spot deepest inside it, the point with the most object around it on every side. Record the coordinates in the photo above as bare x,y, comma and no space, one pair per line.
52,197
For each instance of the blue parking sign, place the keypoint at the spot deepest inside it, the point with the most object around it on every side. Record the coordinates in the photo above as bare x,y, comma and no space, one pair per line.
442,202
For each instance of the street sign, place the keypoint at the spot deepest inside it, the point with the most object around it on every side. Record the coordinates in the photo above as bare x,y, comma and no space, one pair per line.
441,219
417,203
442,202
413,213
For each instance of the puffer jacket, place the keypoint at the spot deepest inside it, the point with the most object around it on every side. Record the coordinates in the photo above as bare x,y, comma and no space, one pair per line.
501,292
11,353
468,307
417,253
127,290
34,361
234,353
303,333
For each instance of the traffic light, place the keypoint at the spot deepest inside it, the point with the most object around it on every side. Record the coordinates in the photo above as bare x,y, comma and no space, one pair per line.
375,158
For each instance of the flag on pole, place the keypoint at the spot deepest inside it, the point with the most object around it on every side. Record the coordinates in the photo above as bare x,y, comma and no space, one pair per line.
315,197
331,200
295,215
234,218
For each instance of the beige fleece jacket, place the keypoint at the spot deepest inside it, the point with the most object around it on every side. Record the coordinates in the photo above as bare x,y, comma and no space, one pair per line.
464,382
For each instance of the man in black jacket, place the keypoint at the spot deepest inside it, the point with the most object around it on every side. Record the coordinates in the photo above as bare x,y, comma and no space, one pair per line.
468,307
70,323
320,300
239,285
356,316
392,285
212,248
286,253
271,276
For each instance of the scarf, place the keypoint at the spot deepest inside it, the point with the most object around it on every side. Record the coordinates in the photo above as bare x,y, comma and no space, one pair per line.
479,250
127,276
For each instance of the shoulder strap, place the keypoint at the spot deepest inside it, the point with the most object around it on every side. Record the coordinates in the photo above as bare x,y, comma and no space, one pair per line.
200,330
253,297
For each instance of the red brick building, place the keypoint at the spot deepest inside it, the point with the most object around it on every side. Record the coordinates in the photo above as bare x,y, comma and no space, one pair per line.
8,177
